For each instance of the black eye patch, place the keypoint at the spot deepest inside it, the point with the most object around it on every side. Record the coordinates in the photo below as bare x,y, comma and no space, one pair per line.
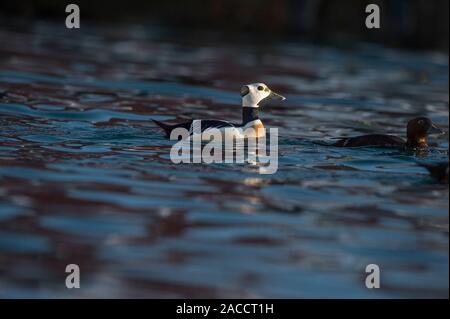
260,88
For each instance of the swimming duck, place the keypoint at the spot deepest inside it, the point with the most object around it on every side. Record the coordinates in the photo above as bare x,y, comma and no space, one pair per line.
437,170
252,95
417,131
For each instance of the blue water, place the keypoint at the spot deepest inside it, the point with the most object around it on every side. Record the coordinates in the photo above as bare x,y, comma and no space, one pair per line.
85,176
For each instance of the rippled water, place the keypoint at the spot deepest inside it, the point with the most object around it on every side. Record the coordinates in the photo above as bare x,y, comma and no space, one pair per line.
85,176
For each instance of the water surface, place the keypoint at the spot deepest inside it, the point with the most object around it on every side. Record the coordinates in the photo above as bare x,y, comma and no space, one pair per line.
85,176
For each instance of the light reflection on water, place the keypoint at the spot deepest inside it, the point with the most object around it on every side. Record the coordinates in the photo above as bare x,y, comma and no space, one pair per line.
86,176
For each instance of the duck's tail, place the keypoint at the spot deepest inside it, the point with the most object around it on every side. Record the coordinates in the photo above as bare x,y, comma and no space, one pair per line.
166,127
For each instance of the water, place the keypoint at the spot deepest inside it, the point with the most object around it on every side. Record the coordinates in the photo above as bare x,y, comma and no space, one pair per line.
85,176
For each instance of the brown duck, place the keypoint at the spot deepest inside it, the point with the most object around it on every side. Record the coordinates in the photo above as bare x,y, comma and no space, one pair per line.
417,132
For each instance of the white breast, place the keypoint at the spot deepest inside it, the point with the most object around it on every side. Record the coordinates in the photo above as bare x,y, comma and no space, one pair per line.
250,130
226,133
254,129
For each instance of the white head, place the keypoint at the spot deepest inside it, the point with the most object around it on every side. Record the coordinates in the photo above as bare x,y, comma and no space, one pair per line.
253,94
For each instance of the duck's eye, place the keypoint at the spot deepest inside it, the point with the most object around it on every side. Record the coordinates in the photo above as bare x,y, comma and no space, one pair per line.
420,122
260,88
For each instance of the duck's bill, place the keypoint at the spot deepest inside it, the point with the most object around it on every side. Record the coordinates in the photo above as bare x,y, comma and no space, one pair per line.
276,96
436,130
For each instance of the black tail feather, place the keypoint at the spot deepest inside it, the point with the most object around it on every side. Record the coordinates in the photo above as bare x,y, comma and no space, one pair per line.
169,127
166,127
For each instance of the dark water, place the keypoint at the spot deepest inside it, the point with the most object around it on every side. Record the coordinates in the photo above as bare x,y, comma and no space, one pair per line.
85,176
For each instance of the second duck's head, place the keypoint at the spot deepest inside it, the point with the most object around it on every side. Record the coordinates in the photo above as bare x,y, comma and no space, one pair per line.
419,128
253,94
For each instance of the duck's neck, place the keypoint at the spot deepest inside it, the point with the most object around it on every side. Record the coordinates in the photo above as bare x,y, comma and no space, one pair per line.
417,142
249,114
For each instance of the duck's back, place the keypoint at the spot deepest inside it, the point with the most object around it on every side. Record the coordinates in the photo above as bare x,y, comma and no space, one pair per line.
203,125
371,140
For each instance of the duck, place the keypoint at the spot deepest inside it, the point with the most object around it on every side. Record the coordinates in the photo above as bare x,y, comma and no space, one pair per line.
417,131
439,171
252,96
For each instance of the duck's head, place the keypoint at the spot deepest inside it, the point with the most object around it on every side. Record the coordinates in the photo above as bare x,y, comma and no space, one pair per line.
419,128
253,94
